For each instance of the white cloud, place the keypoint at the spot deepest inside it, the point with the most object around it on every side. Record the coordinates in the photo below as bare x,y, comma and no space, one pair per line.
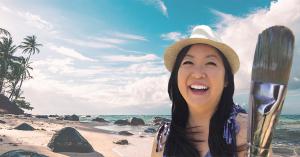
90,43
159,4
6,9
112,40
144,68
54,65
135,84
97,98
23,23
65,68
175,36
131,58
129,51
69,52
163,8
36,20
242,32
146,91
129,36
109,40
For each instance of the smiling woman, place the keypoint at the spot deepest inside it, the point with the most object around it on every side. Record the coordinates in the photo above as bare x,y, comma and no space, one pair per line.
205,120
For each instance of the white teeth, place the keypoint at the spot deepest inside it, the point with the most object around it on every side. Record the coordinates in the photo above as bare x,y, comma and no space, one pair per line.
198,87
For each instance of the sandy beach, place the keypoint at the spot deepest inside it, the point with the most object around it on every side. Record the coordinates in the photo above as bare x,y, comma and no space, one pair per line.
37,140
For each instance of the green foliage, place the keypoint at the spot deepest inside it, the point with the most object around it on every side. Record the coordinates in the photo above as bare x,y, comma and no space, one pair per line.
22,103
16,69
4,32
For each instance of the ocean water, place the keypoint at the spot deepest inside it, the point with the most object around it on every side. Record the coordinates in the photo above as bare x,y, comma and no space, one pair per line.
286,138
148,119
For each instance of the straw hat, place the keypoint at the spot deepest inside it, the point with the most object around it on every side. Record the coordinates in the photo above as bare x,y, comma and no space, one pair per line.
204,35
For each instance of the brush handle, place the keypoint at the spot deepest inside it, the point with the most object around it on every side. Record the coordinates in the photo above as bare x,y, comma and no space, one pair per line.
266,101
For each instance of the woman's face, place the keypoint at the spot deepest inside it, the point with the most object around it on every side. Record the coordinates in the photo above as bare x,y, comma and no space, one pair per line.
201,78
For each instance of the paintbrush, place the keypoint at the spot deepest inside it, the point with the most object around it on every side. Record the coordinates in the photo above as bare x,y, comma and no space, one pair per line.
270,74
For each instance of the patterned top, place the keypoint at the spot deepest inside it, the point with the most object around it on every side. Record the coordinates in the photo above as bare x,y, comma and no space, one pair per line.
229,127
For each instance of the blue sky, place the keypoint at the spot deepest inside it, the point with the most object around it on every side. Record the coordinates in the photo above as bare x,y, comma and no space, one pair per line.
105,57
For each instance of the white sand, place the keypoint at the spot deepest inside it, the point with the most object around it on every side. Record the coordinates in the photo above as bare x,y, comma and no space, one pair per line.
37,140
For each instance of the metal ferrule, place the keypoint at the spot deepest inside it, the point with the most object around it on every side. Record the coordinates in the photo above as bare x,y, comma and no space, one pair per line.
265,104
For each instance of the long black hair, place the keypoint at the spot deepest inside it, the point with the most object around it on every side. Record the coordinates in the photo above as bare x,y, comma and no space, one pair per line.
178,144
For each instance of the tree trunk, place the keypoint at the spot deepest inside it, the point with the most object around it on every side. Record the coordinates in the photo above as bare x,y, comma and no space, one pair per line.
17,94
1,85
14,89
3,75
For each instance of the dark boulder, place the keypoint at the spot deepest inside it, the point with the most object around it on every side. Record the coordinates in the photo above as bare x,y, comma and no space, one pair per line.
71,118
59,118
42,116
2,122
136,121
122,122
24,126
99,120
7,107
125,133
150,130
69,140
53,115
160,120
21,153
121,142
27,115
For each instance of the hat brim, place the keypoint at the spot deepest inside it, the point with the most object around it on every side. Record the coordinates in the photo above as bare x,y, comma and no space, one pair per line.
172,51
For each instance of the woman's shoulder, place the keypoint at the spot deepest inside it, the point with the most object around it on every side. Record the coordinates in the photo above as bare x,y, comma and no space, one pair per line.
233,125
160,140
241,136
239,109
162,134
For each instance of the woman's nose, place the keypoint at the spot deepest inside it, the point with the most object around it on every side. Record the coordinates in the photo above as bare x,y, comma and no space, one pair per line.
198,72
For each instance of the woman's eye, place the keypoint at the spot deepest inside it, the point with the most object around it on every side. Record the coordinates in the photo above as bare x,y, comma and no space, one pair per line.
211,63
187,62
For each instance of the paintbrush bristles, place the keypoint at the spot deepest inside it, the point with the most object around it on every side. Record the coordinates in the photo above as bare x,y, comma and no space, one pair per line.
273,55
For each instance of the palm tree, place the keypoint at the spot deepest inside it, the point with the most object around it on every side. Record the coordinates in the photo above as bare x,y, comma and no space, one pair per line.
7,49
30,46
22,103
14,69
13,77
20,73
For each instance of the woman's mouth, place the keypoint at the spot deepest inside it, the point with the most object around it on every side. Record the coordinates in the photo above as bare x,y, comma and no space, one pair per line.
199,89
